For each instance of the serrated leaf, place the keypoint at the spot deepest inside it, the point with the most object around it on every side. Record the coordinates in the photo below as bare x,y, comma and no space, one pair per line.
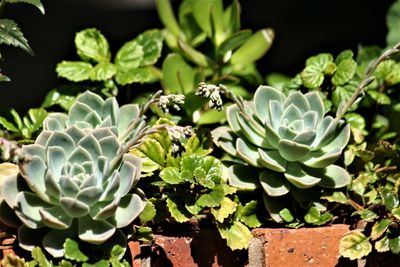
338,197
355,245
38,255
177,209
64,97
75,71
382,245
343,93
144,234
379,228
153,151
212,169
312,77
36,3
212,199
171,175
248,214
91,45
344,72
366,214
151,42
237,235
394,244
103,71
148,213
344,55
129,56
286,215
10,34
390,199
226,208
72,251
139,75
321,61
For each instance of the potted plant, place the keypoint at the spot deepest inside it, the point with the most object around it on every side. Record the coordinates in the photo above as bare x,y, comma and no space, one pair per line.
83,176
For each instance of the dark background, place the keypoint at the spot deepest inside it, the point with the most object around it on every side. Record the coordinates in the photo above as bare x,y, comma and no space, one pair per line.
303,28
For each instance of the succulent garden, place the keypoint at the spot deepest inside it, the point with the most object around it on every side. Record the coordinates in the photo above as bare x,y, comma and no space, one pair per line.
207,143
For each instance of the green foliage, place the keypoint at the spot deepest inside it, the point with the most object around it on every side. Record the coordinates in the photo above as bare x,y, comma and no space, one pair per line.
133,62
209,48
23,128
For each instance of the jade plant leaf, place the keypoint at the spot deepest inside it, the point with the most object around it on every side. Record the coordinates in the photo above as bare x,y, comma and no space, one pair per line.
179,77
355,245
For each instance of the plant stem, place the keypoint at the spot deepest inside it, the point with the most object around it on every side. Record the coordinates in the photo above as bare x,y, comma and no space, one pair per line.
368,79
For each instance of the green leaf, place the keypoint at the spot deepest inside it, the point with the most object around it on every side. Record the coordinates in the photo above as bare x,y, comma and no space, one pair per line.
139,75
355,245
344,55
248,214
148,213
208,117
380,98
234,41
167,16
394,244
338,197
204,12
193,55
322,61
212,199
254,48
366,214
75,71
153,151
144,234
171,175
343,93
379,228
312,77
10,34
103,71
226,208
152,43
36,3
129,56
314,216
177,210
344,72
237,235
396,213
286,215
179,78
63,96
212,172
390,199
382,245
92,45
72,251
8,125
393,22
38,255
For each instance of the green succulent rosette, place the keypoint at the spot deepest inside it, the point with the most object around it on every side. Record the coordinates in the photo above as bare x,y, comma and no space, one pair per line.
288,138
74,185
91,111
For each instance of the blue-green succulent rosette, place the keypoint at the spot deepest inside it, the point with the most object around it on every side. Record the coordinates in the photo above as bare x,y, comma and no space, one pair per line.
288,139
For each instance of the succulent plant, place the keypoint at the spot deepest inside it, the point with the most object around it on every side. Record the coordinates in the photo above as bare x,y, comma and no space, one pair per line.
290,138
76,185
91,111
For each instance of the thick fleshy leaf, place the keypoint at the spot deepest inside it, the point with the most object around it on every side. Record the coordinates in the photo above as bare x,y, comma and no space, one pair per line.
225,138
129,208
325,132
231,116
110,109
113,184
252,131
129,173
55,218
91,145
316,104
310,119
298,100
292,151
27,208
262,98
298,177
79,155
35,150
275,114
92,100
42,138
75,133
94,232
286,133
243,177
104,210
248,152
305,137
331,177
73,207
322,159
341,139
78,112
274,206
93,119
29,238
10,188
56,159
109,146
128,113
274,183
53,189
89,195
34,173
179,77
290,114
272,160
62,140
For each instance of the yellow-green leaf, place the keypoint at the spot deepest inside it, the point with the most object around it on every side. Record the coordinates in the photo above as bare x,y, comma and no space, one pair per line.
355,245
379,228
226,208
237,235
